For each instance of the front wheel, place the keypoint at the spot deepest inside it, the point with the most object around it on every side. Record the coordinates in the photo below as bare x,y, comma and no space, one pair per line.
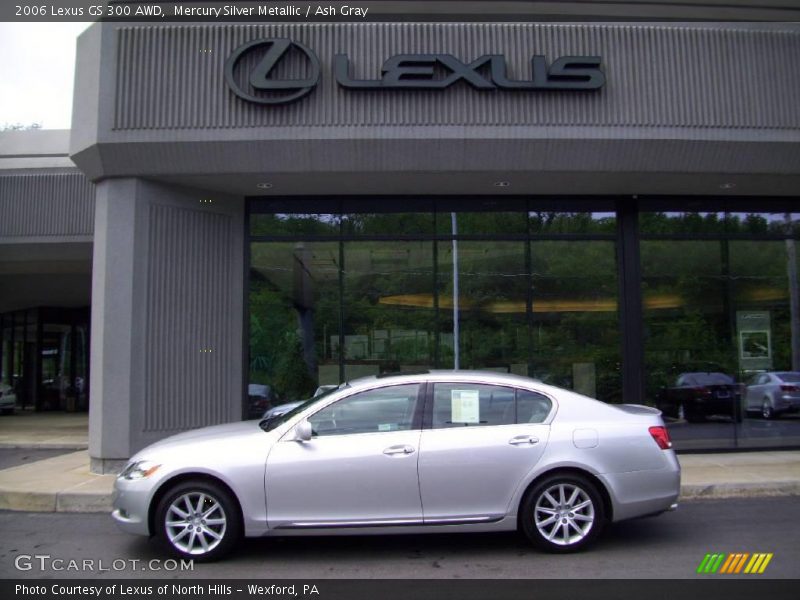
562,513
198,520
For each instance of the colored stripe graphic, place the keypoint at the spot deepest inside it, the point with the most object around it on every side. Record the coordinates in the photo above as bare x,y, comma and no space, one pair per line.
730,564
703,563
711,563
727,564
764,564
741,562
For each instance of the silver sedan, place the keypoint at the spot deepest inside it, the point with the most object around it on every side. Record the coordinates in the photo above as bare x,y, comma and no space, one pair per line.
773,394
417,453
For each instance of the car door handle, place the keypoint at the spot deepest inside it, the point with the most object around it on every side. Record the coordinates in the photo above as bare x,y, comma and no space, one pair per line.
523,439
402,449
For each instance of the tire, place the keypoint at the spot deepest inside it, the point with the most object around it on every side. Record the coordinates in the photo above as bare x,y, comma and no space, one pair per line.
8,411
219,531
766,409
545,501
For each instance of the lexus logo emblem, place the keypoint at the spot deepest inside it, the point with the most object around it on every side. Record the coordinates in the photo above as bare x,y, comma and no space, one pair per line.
261,87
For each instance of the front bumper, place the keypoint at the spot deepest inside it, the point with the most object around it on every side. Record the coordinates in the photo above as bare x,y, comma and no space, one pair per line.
130,502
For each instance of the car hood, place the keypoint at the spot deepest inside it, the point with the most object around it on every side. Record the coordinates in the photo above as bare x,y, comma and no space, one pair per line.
210,434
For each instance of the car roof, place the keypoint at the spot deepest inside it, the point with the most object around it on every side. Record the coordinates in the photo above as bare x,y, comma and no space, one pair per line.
475,376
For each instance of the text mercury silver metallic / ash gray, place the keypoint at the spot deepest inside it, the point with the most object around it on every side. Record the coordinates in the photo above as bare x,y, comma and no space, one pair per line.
428,452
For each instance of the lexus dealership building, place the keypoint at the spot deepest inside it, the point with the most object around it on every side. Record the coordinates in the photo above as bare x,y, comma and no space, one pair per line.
243,212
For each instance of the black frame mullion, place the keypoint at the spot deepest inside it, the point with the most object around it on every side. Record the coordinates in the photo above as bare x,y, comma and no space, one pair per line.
631,314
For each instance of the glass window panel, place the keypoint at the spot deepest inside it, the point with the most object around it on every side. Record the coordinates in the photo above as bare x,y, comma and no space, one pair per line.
552,222
388,300
765,223
682,222
374,411
575,317
294,316
687,302
294,224
493,219
761,305
493,284
379,223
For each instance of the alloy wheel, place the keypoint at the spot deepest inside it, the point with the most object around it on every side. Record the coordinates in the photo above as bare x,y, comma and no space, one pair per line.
564,514
195,523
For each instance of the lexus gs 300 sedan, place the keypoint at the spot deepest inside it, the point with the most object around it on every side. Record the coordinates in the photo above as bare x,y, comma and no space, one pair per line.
414,453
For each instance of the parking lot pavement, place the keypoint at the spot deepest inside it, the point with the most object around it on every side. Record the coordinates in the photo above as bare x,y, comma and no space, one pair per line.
667,547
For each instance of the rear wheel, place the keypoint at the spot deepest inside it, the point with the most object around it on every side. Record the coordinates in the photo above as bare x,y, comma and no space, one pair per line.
766,409
563,513
198,520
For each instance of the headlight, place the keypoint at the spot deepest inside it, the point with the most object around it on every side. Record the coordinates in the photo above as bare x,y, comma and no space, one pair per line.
139,469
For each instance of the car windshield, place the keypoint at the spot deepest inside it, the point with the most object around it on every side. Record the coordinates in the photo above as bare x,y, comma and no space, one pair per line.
790,377
271,423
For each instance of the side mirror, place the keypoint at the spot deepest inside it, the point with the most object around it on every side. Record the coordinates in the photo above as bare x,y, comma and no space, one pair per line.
302,432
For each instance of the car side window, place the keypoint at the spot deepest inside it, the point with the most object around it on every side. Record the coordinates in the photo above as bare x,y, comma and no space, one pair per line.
532,407
373,411
475,405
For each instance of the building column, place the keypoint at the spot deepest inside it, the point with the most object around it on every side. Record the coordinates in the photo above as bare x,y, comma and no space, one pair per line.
167,302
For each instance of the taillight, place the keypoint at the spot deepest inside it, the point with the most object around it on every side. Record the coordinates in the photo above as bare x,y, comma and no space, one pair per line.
661,436
789,388
703,391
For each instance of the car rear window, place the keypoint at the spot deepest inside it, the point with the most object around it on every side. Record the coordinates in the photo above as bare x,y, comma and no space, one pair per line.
711,379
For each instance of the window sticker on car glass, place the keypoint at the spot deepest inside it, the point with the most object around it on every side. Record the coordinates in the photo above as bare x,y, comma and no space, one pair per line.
387,426
465,406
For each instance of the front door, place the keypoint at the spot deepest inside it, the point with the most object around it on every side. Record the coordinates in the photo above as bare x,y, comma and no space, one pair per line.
358,469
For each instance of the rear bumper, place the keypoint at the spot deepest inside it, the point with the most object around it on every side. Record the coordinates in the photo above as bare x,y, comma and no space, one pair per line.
641,493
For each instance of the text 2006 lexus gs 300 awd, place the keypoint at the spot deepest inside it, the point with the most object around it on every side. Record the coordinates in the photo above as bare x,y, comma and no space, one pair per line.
416,453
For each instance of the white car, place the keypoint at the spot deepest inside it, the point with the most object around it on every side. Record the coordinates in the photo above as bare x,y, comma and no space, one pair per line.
417,453
8,399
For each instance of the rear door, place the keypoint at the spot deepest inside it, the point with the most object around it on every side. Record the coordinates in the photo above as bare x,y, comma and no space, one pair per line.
478,444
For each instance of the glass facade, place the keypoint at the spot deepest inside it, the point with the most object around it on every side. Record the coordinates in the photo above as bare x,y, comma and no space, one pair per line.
341,288
44,357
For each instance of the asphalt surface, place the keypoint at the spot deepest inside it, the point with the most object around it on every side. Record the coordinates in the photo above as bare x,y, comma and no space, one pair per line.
666,547
14,457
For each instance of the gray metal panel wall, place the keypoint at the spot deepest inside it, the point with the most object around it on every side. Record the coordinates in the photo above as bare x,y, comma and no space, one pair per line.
188,375
686,76
46,204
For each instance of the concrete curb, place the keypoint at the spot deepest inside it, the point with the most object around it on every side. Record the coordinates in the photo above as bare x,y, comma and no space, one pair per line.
740,490
43,446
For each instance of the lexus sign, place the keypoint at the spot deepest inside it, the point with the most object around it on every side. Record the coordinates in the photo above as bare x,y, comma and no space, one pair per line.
251,72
